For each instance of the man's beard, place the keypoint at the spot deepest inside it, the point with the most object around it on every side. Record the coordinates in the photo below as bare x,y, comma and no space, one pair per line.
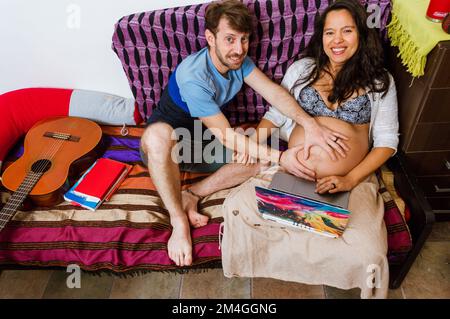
225,63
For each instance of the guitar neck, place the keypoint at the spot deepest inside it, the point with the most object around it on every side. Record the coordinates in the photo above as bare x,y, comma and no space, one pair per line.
16,200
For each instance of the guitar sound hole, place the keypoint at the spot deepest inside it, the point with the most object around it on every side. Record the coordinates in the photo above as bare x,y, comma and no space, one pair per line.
41,166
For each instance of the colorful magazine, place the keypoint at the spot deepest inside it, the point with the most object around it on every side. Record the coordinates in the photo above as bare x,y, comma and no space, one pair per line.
301,212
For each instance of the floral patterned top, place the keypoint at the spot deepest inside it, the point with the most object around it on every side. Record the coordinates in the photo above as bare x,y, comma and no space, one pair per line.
354,111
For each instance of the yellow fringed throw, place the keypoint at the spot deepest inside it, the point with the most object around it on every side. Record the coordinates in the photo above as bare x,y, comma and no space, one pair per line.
413,34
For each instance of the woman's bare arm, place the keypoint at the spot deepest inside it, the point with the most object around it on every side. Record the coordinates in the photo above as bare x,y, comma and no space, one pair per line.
263,131
373,160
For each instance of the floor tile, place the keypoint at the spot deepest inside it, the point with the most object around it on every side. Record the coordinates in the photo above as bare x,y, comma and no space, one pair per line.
395,294
28,284
91,286
267,288
153,285
336,293
429,277
440,232
355,293
213,284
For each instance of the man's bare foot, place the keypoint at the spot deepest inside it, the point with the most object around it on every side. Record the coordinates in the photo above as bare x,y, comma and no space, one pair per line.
191,209
179,246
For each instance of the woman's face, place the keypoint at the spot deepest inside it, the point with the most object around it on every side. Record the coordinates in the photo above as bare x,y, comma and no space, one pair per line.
340,37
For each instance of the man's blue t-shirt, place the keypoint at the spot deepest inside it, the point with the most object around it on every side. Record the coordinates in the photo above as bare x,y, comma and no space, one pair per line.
197,87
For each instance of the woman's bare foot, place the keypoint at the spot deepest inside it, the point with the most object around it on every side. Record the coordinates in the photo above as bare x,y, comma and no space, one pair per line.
190,206
179,246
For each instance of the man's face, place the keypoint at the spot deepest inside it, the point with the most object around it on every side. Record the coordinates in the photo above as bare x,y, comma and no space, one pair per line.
228,47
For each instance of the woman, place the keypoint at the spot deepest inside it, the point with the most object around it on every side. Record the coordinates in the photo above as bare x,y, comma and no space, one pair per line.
342,83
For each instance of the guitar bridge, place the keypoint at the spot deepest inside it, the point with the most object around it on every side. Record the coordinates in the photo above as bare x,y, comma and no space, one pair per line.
62,136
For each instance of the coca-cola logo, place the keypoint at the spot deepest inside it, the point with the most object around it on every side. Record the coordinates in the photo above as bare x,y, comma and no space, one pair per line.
440,14
437,10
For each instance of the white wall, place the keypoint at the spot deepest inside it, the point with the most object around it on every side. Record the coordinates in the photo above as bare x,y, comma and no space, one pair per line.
66,43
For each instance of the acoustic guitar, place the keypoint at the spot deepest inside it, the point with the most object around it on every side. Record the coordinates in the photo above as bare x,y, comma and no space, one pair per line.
51,146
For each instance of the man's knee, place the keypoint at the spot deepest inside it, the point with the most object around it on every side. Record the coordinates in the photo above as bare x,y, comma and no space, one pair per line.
157,139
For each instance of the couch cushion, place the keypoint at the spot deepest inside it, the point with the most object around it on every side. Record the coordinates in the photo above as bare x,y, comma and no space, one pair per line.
398,234
21,109
151,44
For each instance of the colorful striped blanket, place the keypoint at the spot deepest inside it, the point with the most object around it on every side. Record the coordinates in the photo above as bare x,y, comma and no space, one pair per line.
129,233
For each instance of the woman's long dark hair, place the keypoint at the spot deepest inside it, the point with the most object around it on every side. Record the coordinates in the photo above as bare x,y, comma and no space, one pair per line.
365,69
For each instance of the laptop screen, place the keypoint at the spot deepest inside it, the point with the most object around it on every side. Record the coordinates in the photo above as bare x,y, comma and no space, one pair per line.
300,212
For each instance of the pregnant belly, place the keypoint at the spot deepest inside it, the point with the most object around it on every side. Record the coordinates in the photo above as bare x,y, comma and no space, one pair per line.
320,162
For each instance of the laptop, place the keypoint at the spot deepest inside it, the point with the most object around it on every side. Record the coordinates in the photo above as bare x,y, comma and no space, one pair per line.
291,201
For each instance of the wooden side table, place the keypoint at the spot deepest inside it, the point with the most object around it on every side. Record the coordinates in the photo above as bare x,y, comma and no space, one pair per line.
424,116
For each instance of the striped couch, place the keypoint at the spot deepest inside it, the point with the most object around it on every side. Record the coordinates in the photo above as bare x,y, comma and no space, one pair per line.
130,232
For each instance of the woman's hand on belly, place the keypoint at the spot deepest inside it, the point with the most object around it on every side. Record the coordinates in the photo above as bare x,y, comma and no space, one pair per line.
334,184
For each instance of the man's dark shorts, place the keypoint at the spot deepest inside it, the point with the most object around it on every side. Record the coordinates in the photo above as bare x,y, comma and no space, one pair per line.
204,157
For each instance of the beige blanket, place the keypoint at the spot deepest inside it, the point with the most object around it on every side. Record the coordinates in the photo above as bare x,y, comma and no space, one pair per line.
254,247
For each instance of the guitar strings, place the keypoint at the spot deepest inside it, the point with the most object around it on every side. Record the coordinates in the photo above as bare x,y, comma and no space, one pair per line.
48,154
54,148
57,145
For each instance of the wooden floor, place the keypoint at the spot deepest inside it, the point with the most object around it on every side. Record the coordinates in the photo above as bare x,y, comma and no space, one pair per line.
428,278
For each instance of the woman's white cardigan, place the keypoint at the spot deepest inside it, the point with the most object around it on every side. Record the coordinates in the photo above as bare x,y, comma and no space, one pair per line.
383,128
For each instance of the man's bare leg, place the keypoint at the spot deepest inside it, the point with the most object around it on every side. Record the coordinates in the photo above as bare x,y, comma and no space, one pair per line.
227,176
157,145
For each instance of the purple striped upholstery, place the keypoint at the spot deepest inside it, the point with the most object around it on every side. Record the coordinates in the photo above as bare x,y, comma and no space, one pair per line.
151,44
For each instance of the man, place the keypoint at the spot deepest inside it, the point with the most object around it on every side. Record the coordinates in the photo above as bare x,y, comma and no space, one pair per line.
202,84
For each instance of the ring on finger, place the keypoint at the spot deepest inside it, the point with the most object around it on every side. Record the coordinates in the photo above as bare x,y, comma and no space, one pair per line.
334,185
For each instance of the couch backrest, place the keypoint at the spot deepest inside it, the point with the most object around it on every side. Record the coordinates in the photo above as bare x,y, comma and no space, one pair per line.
151,44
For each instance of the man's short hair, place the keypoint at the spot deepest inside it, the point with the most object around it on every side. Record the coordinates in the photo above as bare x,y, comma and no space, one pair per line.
234,11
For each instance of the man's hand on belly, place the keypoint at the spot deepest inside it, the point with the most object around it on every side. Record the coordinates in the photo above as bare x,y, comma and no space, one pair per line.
290,162
328,140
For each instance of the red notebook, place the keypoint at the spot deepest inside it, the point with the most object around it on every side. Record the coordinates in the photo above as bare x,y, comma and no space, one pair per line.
102,179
